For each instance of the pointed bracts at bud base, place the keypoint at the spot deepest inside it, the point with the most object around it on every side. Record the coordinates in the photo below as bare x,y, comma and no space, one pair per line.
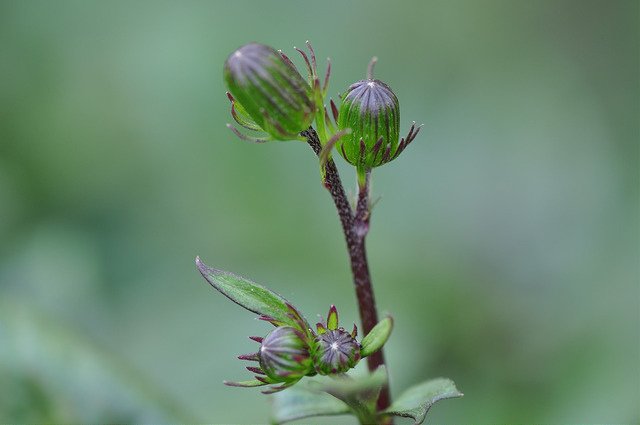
284,356
372,111
292,350
267,93
335,350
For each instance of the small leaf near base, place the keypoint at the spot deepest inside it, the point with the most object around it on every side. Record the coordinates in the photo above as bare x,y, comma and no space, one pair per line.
416,401
378,336
299,402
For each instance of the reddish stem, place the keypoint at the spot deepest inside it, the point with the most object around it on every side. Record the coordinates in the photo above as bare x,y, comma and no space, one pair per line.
355,228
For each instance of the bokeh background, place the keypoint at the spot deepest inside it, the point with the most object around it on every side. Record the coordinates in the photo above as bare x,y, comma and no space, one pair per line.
505,242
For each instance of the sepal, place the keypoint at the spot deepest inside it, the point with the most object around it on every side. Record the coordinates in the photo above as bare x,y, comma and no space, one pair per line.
377,337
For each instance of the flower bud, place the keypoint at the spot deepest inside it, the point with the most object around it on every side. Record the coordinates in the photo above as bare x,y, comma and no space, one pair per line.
372,111
335,351
284,355
268,93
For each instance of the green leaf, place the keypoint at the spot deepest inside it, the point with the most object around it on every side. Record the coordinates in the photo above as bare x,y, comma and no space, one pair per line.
347,386
378,336
301,402
416,401
334,395
359,392
250,295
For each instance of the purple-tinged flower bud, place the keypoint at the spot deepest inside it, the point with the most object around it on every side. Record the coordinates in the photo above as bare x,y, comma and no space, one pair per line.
372,111
268,93
284,355
335,351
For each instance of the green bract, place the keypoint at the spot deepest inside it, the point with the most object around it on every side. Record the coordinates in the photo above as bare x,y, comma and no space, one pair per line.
377,337
267,93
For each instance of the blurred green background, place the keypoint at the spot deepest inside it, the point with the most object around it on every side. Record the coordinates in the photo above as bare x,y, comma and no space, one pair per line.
505,244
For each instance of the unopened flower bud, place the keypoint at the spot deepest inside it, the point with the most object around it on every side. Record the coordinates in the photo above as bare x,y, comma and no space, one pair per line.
372,111
335,351
268,93
284,355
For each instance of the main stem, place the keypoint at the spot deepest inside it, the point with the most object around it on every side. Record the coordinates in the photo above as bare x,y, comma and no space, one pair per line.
355,229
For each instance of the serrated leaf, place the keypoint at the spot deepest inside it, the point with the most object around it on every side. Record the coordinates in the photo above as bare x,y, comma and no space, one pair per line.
250,295
300,402
378,336
416,401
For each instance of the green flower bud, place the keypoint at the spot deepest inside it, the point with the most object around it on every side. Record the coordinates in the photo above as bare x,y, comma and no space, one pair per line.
372,111
284,355
268,93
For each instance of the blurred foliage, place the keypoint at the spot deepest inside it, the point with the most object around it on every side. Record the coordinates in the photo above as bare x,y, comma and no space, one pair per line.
506,243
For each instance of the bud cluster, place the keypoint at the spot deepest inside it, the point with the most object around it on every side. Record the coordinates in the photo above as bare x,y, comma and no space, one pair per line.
273,101
269,96
289,353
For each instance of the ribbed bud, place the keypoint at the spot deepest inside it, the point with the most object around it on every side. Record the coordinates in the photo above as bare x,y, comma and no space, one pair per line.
335,351
284,355
372,112
271,93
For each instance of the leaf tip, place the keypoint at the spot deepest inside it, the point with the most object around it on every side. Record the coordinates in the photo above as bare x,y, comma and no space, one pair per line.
202,267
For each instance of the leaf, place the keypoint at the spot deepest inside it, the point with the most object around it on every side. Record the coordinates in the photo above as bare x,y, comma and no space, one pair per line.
347,386
250,295
360,392
416,401
300,402
331,395
378,336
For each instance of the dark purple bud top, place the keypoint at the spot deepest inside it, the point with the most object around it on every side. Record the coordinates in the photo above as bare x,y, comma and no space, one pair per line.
284,355
335,351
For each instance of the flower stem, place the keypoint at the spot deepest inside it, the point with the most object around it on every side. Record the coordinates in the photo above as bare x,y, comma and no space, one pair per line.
355,228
